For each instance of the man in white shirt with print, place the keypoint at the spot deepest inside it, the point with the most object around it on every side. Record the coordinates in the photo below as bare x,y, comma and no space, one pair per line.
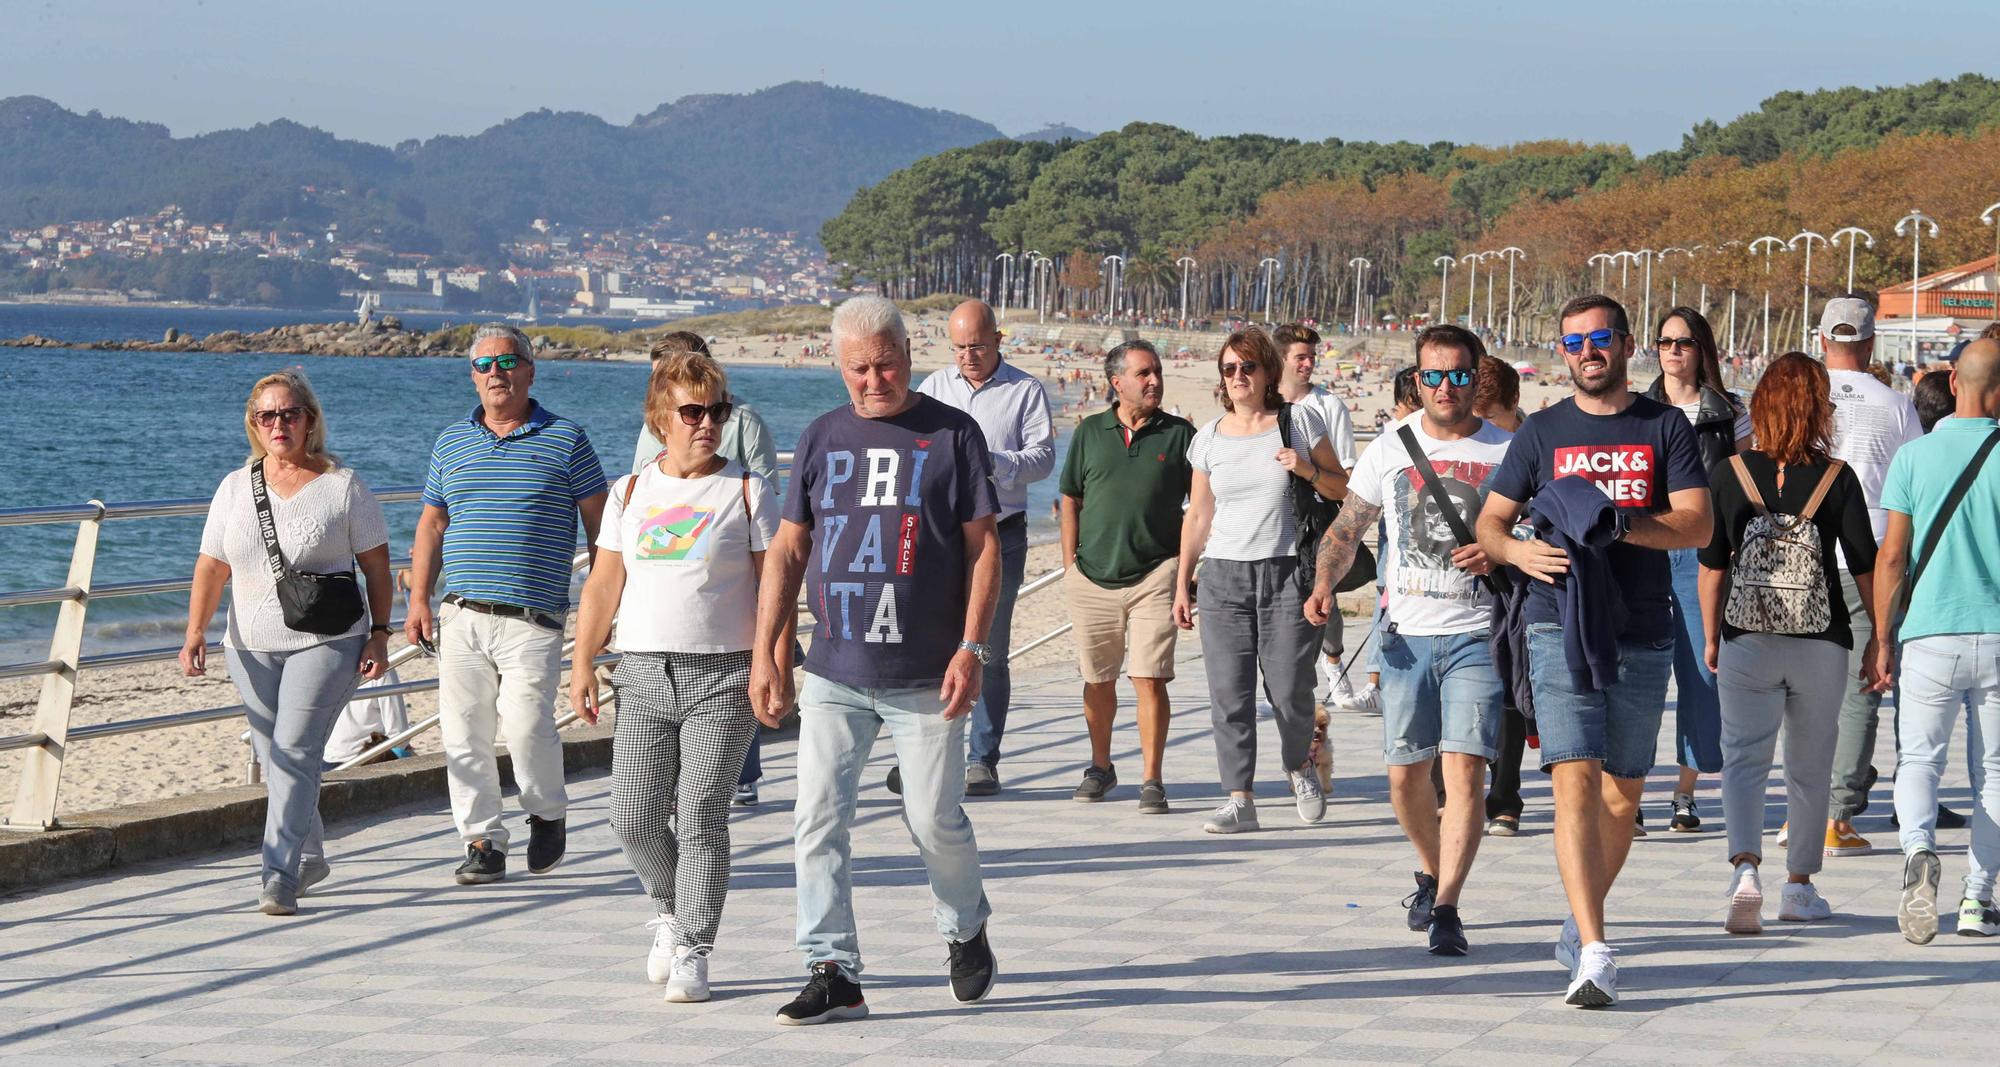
1441,698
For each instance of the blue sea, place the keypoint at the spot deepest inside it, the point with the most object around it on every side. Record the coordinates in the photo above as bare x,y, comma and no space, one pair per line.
124,426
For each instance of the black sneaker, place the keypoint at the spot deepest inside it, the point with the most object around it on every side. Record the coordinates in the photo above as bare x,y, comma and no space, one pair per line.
1948,819
1447,932
1421,901
1098,782
829,996
895,779
548,839
1685,821
746,795
1152,797
483,864
972,968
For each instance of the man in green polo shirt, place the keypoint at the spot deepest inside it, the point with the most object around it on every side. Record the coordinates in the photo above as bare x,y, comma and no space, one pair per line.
1123,486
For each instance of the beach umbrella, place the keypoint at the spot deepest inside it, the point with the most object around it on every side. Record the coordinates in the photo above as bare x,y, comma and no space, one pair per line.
1526,368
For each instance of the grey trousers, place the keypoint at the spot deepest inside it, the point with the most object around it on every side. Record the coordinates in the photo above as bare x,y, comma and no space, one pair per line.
293,699
1766,681
1858,717
1252,620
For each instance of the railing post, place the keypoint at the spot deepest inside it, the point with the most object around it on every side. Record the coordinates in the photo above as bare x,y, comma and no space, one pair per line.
41,770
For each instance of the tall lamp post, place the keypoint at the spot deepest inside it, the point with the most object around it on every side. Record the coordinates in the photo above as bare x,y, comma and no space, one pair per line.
1647,255
1719,249
1916,221
1360,266
1483,257
1032,259
1991,217
1512,254
1444,263
1116,278
1270,284
1768,245
1006,261
1470,259
1185,263
1805,295
1603,260
1851,232
1674,276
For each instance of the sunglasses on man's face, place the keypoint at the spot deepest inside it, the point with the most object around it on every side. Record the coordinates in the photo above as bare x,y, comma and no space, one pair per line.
718,412
1243,368
1599,339
1434,378
274,416
1675,342
488,364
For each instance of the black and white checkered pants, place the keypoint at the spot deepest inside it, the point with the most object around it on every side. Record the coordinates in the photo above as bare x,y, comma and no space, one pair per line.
684,723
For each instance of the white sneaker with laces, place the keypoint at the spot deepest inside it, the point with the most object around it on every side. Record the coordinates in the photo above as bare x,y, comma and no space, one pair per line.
1569,946
1234,816
1596,981
1367,699
689,983
1338,691
1305,788
1746,901
660,958
1801,903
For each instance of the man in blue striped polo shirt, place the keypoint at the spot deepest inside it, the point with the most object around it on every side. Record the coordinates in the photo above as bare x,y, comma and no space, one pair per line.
506,487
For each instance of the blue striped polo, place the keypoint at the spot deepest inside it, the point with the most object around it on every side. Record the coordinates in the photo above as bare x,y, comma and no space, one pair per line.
511,502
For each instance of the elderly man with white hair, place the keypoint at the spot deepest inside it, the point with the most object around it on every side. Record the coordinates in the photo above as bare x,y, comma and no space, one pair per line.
507,486
890,516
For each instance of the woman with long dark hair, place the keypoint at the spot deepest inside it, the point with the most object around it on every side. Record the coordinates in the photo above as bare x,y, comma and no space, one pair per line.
1777,633
1691,379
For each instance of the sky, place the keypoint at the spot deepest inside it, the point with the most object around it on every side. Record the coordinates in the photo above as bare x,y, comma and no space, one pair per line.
1486,73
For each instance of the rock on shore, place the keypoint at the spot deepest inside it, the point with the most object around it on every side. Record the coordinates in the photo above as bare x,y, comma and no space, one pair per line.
382,339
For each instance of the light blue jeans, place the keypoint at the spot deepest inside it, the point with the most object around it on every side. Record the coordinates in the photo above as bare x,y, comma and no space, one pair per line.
838,725
291,700
1940,676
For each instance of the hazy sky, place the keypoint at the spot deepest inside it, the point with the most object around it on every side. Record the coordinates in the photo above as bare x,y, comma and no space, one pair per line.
1383,70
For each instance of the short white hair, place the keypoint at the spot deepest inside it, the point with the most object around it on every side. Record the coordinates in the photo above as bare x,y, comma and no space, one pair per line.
868,316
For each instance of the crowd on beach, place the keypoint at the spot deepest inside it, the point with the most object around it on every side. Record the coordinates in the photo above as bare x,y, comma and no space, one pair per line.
1540,577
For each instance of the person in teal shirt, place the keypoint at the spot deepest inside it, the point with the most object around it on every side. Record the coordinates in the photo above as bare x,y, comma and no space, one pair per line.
1950,654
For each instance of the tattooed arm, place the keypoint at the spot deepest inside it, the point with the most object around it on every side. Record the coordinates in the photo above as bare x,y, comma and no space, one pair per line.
1336,554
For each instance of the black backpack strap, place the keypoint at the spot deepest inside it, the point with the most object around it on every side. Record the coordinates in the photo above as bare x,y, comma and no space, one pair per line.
1443,500
1951,501
266,525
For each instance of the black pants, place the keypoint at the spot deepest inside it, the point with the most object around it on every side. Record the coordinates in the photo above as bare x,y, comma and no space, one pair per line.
1504,796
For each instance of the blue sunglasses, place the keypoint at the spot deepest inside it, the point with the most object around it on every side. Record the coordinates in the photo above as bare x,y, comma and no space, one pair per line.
1599,339
1434,378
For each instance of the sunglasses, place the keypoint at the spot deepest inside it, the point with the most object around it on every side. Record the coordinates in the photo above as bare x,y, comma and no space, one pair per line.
1434,378
718,412
1675,342
487,364
1242,368
1599,339
277,415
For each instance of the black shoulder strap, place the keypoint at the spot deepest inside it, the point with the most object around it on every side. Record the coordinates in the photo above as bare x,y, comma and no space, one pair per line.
1284,426
1951,501
1443,500
267,526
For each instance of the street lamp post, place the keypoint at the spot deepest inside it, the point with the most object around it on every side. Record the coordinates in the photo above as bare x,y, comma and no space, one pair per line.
1185,263
1805,295
1769,245
1033,259
1471,259
1360,266
1270,284
1485,256
1674,276
1444,263
1724,246
1116,278
1647,255
1006,261
1602,259
1512,254
1916,221
1991,217
1851,232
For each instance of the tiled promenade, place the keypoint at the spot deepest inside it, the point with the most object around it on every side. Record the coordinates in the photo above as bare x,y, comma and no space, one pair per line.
1123,939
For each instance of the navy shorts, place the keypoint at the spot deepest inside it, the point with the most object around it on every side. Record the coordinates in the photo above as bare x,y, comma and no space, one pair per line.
1618,726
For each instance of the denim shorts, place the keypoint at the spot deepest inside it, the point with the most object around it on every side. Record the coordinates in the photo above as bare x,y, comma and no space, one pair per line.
1619,726
1439,693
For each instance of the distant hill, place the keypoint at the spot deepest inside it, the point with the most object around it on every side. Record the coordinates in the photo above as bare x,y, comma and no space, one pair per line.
1055,131
784,158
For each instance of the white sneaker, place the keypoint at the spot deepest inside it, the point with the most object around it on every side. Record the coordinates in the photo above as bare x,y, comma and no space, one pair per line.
1596,981
1569,946
1234,816
660,959
1305,788
1367,699
1746,902
1338,691
689,983
1785,835
1802,904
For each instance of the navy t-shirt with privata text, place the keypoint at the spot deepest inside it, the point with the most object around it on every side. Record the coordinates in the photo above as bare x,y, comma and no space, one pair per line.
1637,458
886,500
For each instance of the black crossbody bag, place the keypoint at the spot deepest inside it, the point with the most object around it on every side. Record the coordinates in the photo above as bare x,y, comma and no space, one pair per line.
324,604
1936,532
1315,515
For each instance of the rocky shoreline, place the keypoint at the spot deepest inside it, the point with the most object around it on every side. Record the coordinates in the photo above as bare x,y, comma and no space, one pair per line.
384,338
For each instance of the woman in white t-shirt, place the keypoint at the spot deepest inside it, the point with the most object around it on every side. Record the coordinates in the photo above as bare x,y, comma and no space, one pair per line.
683,545
1240,517
293,683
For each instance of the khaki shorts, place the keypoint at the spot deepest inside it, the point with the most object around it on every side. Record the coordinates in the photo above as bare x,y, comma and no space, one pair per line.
1107,621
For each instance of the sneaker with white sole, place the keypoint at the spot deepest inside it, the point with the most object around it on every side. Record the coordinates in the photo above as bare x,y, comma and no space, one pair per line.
660,958
1916,913
1233,816
1800,902
1746,901
1368,699
1305,789
1785,835
1596,982
689,982
1338,692
1978,918
1569,946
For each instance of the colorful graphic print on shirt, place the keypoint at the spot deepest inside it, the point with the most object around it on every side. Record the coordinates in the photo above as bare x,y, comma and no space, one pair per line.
1624,473
676,533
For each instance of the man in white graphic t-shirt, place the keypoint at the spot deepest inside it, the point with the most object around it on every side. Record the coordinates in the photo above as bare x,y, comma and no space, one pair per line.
1441,698
1870,423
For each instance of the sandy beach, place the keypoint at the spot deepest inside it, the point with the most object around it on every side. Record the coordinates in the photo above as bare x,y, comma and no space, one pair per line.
141,767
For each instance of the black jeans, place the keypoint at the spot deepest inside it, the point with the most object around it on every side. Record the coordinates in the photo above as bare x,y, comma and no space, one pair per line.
1504,796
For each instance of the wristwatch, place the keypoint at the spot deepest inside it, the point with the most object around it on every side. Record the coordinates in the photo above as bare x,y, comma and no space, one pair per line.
984,653
381,628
